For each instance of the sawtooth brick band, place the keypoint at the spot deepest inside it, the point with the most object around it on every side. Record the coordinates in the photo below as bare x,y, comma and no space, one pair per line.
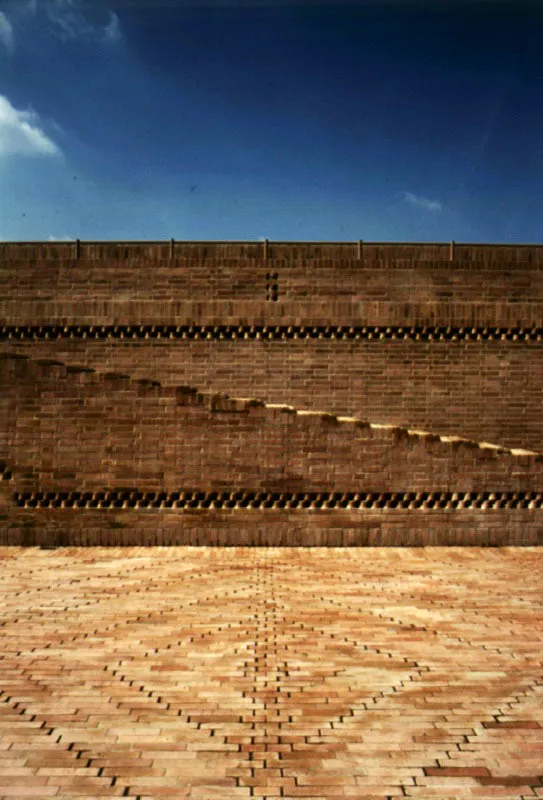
136,373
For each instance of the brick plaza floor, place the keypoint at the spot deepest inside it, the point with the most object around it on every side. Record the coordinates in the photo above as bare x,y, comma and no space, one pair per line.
271,672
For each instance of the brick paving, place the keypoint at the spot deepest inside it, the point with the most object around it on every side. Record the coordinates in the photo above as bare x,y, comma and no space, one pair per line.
316,673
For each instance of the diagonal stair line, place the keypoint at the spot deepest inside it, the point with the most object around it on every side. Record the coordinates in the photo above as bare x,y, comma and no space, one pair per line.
116,677
382,699
391,651
73,755
58,584
130,621
409,593
435,632
337,721
446,763
246,403
148,585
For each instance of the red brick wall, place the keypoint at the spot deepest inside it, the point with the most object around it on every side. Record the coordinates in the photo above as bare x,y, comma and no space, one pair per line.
75,431
431,385
78,528
119,309
436,385
307,281
69,430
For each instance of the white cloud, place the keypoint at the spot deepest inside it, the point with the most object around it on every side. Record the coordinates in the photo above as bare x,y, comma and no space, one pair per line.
422,202
20,133
61,239
69,21
28,7
6,32
112,31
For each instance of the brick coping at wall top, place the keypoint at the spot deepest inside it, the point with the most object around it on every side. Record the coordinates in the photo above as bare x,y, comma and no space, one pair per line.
267,249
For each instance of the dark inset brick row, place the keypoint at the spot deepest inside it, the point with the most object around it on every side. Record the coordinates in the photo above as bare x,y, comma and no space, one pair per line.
286,500
271,332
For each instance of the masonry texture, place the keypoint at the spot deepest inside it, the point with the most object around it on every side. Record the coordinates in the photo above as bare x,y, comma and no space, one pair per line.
209,672
353,404
400,384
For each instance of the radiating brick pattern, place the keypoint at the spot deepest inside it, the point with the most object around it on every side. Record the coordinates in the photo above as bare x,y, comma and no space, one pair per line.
268,672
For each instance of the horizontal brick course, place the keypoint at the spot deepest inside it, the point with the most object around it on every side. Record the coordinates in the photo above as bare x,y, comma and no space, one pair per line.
86,528
292,281
436,385
455,327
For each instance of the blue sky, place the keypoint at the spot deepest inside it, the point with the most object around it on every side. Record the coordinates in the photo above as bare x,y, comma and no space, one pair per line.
374,120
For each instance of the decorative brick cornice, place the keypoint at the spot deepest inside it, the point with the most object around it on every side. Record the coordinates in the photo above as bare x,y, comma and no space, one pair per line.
262,500
271,332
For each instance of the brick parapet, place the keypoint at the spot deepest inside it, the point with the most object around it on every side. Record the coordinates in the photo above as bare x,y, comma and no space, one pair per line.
274,251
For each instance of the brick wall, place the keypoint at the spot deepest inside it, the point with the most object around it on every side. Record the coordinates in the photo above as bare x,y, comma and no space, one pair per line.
487,253
58,281
432,385
77,528
85,430
433,342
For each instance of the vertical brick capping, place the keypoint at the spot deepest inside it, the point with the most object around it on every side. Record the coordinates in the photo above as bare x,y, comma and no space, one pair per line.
156,250
446,337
